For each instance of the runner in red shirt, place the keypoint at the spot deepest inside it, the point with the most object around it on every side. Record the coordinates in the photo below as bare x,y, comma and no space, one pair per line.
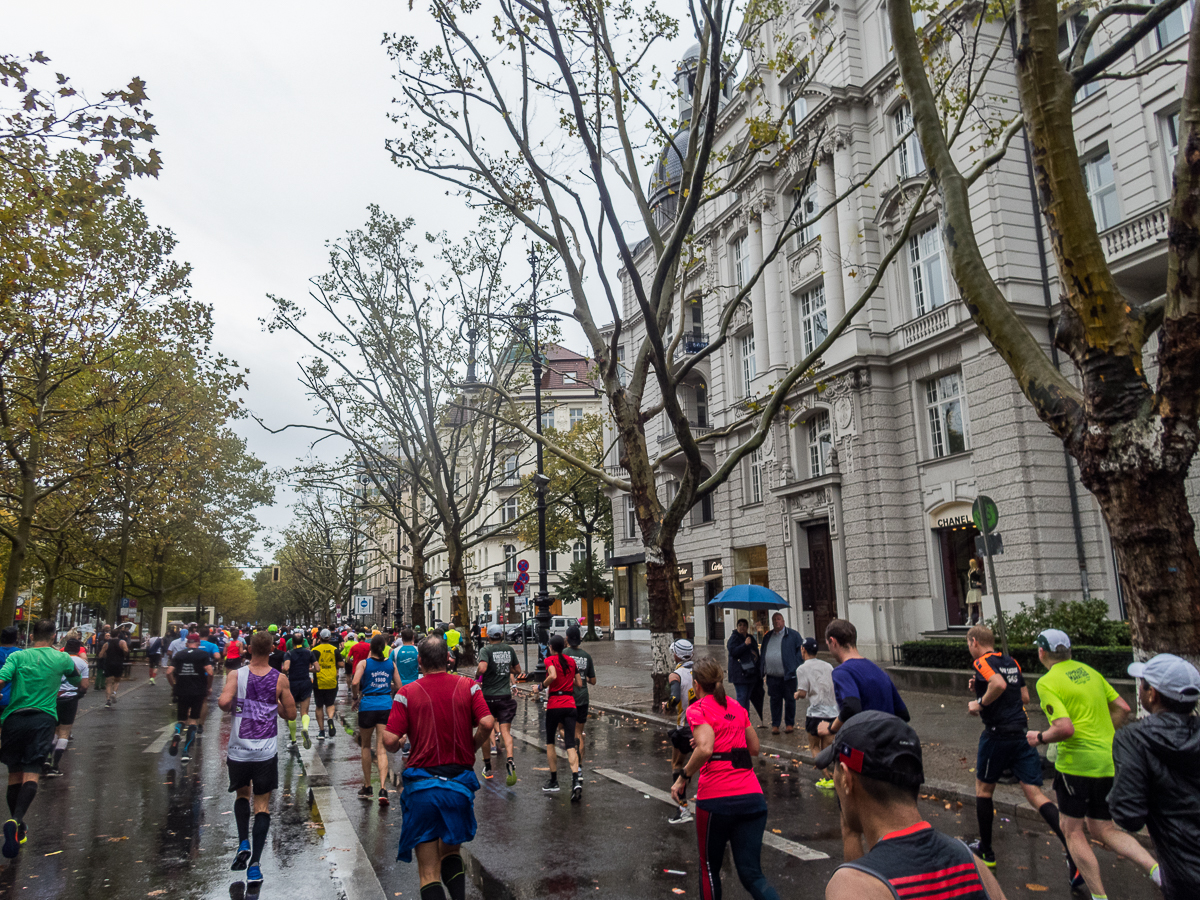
730,807
438,713
562,677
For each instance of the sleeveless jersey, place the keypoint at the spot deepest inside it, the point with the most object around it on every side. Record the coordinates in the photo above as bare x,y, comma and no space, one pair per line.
327,677
376,685
233,650
687,693
918,863
255,717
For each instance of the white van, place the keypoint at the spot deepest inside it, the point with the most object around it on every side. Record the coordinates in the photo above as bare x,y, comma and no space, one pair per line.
560,624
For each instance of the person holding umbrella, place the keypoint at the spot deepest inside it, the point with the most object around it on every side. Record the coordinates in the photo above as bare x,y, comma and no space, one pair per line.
745,659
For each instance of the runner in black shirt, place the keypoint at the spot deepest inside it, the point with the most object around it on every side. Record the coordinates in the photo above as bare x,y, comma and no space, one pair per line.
297,665
190,674
1000,698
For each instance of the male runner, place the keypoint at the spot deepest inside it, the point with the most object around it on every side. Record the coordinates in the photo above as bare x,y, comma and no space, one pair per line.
325,683
1083,710
8,646
877,769
562,678
406,657
814,681
180,643
256,698
437,714
1000,698
679,683
112,661
154,650
498,667
67,706
29,720
299,665
587,671
190,675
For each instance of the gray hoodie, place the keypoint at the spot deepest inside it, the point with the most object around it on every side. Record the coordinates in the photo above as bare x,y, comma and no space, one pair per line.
1157,785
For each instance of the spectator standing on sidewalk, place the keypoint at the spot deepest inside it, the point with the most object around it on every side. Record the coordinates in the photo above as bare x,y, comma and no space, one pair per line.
779,658
877,767
743,663
858,685
1157,777
1000,698
1083,711
438,713
814,681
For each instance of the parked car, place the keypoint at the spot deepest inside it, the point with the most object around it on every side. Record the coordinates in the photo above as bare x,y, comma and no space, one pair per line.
518,632
560,624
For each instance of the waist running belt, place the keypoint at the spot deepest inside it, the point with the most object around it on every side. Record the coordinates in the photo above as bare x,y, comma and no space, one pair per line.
739,756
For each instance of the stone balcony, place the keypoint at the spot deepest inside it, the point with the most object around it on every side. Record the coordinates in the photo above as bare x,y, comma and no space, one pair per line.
933,323
1138,233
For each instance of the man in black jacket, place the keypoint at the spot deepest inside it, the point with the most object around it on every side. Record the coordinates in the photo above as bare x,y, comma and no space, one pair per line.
1157,781
779,658
743,663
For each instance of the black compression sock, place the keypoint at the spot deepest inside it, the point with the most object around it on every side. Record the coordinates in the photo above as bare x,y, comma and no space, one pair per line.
262,822
58,755
24,798
1049,812
454,876
13,789
985,811
433,891
241,813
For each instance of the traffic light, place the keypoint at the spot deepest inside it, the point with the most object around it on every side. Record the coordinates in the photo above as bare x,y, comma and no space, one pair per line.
274,573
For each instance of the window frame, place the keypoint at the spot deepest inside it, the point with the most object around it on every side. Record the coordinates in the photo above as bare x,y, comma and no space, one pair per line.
575,416
1184,16
510,510
748,361
740,260
812,315
1099,193
1168,127
910,158
940,444
510,559
918,265
818,430
578,552
754,479
630,518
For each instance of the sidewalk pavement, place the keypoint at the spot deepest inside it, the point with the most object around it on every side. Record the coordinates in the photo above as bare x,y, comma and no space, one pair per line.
949,735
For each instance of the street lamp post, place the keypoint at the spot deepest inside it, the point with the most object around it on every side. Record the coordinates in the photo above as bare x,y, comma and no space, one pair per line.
542,600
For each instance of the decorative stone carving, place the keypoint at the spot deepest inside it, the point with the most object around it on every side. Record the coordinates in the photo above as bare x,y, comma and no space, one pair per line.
741,316
843,415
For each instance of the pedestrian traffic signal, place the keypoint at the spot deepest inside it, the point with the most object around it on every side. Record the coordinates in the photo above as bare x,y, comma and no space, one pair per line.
274,573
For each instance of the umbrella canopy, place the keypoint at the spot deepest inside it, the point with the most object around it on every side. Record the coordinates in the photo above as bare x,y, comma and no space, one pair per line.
749,596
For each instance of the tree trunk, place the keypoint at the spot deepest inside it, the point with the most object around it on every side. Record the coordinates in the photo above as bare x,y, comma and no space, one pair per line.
419,588
19,546
666,614
461,615
591,591
118,587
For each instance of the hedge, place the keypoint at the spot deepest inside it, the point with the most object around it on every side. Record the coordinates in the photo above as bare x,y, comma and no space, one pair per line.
1111,662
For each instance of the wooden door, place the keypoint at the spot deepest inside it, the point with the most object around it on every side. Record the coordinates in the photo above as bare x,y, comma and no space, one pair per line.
820,578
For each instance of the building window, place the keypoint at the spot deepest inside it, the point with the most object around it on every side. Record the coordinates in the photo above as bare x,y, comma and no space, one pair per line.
551,560
1069,31
926,271
947,406
1102,190
579,552
512,470
701,405
813,318
797,107
1174,26
508,512
622,375
810,224
910,161
749,364
741,261
547,420
702,512
754,467
630,518
1170,133
820,444
510,559
576,414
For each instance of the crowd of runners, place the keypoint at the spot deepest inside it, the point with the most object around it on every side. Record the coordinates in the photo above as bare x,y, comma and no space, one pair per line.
420,723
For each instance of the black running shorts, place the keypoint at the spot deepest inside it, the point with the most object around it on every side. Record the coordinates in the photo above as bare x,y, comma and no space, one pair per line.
301,690
261,775
503,709
369,718
26,739
1081,797
188,707
67,708
325,696
564,717
581,713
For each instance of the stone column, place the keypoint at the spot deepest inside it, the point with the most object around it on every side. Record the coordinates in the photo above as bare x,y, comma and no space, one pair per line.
776,326
849,243
758,297
831,258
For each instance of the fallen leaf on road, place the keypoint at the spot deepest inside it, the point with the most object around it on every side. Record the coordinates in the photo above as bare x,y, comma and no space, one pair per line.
776,831
156,893
678,891
1036,887
55,853
115,840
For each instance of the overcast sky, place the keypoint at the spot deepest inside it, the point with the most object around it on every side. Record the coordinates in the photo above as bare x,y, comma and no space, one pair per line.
272,121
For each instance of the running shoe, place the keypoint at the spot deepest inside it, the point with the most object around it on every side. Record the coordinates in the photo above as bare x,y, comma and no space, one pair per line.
365,792
12,845
175,739
293,747
350,731
1074,876
383,797
826,783
550,787
307,740
320,735
495,749
243,857
108,705
512,773
200,728
576,789
54,772
22,833
332,731
254,875
681,817
988,856
152,681
487,769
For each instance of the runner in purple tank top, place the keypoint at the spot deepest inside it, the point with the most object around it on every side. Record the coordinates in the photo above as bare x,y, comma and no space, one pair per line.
256,697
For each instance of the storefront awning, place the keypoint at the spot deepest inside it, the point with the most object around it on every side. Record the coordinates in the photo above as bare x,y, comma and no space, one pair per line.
698,582
631,560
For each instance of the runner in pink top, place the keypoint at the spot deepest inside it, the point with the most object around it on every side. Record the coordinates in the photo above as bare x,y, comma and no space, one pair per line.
730,807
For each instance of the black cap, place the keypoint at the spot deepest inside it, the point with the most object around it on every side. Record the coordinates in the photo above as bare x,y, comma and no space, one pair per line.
810,645
871,744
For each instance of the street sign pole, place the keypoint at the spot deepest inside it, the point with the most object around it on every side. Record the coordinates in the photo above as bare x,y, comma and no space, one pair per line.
986,515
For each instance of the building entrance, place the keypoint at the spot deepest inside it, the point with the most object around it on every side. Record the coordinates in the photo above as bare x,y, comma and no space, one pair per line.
957,548
817,591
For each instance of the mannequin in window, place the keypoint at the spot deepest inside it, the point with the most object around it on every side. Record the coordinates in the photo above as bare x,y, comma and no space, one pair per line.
974,592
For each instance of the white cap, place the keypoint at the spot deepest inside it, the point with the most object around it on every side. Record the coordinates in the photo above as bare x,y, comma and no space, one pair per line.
682,648
1170,675
1053,640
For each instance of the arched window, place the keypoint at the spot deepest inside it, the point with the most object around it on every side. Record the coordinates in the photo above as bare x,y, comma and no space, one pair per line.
579,552
510,559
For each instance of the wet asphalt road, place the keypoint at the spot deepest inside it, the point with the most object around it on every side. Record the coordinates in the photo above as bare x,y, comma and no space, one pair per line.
127,823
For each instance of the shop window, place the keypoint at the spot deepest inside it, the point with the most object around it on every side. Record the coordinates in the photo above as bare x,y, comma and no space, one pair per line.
946,404
926,270
813,318
910,161
1102,190
820,444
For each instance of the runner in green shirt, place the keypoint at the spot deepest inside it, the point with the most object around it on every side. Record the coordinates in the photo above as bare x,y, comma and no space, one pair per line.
497,667
29,721
586,668
1083,711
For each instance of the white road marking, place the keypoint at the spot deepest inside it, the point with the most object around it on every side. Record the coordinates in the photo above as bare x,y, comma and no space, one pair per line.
156,745
359,881
522,736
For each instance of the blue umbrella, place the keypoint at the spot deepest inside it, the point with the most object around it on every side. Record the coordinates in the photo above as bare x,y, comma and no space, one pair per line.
749,596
